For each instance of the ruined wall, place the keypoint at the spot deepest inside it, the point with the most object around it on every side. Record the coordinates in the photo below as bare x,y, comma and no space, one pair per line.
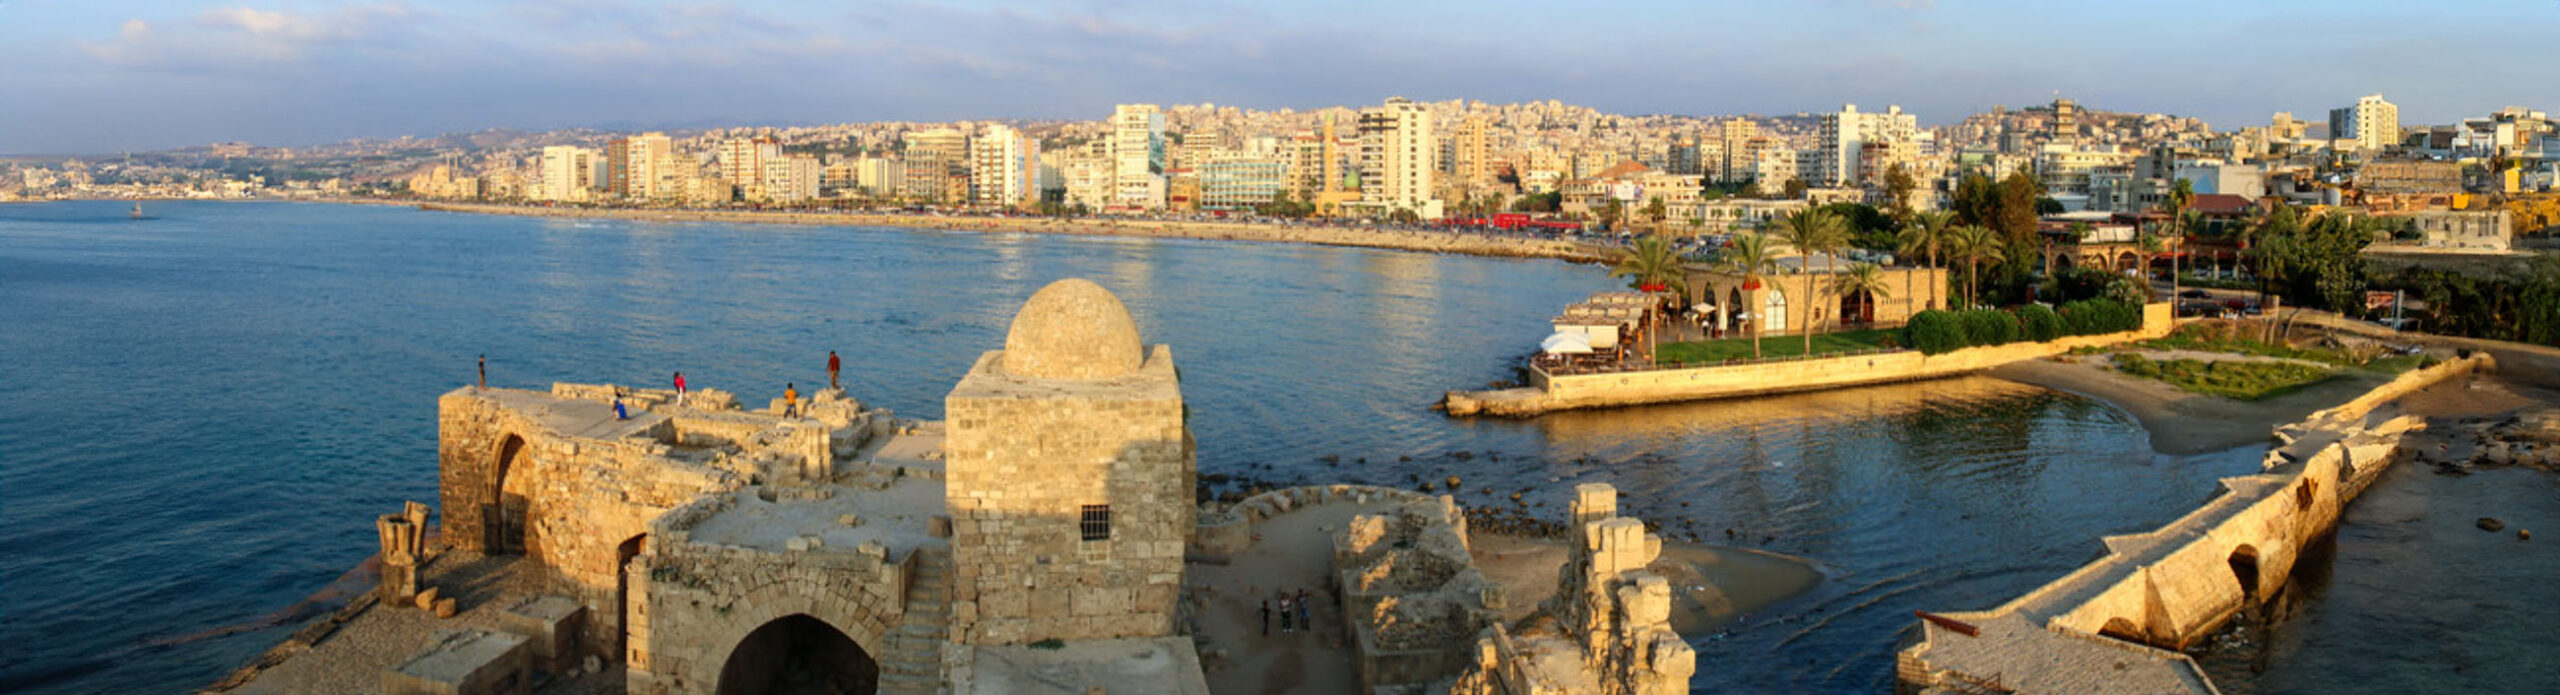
703,599
1411,595
1024,456
1607,631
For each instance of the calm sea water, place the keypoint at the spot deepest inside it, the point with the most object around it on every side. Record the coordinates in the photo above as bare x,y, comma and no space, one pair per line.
200,413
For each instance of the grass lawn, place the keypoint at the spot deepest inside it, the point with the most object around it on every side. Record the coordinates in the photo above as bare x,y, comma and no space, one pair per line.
1710,351
2243,381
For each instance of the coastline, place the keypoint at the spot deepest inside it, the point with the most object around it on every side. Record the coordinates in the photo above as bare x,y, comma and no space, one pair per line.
2185,424
1314,234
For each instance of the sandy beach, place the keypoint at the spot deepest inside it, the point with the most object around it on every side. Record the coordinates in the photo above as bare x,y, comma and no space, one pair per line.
2182,423
1319,234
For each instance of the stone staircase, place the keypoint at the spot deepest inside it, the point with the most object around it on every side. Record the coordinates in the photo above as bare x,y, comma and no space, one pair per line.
911,658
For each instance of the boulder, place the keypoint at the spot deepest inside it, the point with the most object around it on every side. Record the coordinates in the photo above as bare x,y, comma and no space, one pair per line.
2490,524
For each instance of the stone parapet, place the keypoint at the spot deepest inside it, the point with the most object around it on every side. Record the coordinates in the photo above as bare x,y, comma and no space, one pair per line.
1410,591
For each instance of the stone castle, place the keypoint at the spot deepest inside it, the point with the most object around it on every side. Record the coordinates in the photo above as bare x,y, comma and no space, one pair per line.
1033,541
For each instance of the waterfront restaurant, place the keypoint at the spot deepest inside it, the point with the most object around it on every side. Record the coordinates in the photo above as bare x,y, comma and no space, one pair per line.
1801,294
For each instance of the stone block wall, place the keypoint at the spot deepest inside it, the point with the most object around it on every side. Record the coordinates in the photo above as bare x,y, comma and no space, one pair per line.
1411,594
1024,457
704,599
1607,631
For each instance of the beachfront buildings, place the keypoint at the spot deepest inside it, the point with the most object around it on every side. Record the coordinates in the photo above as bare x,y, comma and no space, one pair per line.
1137,157
937,166
643,167
1397,159
1856,146
1004,166
567,174
1241,180
2370,125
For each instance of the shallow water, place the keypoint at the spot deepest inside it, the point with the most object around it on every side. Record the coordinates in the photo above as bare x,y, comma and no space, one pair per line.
199,414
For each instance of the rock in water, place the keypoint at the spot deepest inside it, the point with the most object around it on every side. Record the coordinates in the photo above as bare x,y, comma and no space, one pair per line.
2490,524
2524,535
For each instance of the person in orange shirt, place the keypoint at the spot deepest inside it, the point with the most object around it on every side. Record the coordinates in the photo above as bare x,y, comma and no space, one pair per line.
790,400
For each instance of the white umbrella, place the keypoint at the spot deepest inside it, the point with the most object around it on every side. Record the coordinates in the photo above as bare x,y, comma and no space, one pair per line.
1563,343
1707,309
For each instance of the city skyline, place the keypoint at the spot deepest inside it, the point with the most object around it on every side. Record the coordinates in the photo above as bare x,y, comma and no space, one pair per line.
96,80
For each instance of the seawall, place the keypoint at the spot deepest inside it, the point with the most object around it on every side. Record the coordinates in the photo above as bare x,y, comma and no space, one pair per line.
2114,625
1548,393
1427,241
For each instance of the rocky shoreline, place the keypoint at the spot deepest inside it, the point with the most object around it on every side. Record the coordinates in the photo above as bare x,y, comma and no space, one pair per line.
1427,241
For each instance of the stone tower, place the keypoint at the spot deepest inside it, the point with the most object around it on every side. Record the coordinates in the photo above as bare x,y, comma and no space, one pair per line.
1070,478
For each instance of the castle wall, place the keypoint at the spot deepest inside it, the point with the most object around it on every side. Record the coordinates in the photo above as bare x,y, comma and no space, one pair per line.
703,599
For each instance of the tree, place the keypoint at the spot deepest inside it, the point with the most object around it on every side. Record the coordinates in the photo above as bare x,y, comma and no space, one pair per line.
1795,188
1975,244
1657,210
1898,185
1749,256
1813,231
1922,237
1656,266
1862,277
2180,196
2015,215
1610,213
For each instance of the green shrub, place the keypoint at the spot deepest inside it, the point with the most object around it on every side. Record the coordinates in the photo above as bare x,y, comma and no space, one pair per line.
1989,327
2094,316
1934,331
2039,323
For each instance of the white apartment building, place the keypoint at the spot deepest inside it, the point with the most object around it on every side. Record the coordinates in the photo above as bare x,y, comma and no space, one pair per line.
790,179
2370,125
567,174
1397,159
1846,135
880,176
1003,166
742,164
1137,157
643,167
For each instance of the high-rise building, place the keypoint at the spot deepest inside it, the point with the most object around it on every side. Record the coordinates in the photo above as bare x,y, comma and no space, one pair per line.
880,176
2370,125
1471,152
637,167
790,179
1137,157
934,159
2066,120
1003,166
566,173
742,164
1844,138
1241,180
1396,153
1740,156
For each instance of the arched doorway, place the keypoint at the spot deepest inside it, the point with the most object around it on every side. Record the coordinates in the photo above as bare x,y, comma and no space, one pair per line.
629,611
2244,568
1858,307
798,654
505,519
1774,317
2128,261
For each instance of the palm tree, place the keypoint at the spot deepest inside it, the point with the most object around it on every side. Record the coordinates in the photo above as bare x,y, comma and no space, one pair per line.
1925,234
1749,257
1654,263
2180,196
1812,231
2188,222
1974,244
1862,277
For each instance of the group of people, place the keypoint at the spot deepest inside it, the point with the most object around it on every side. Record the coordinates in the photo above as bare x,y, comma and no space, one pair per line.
790,391
1295,614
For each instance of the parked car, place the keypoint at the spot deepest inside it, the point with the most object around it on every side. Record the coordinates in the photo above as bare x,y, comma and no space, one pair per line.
2195,294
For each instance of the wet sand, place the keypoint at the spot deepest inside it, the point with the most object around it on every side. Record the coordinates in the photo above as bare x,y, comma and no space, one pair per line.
1712,585
2182,423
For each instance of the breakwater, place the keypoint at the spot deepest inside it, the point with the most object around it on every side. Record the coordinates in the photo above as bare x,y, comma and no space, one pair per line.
2113,625
1427,241
1548,392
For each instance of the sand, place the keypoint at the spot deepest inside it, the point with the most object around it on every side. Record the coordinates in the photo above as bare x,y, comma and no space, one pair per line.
1711,585
2182,423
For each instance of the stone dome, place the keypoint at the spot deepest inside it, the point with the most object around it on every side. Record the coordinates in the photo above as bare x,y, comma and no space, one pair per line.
1073,329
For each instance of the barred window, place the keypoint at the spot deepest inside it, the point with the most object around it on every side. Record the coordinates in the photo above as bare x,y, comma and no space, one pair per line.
1097,522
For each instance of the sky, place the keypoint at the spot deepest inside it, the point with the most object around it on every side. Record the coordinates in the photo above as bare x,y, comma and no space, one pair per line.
93,77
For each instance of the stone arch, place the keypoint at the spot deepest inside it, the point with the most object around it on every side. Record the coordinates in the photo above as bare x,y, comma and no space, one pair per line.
505,520
2063,263
796,653
2244,569
760,605
2128,261
1858,307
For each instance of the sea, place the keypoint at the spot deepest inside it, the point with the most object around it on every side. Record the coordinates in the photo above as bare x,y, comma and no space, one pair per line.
202,411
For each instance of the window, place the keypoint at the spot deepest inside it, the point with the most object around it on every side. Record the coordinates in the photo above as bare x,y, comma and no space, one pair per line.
1097,522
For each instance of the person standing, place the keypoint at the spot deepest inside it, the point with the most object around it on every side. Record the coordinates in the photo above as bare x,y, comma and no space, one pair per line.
790,399
484,372
834,365
1304,617
618,412
679,388
1285,624
1266,617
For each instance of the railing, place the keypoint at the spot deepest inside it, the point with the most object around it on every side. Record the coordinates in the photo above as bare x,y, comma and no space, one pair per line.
1632,367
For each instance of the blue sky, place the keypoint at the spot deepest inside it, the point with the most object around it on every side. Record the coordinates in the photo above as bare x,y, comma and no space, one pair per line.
83,76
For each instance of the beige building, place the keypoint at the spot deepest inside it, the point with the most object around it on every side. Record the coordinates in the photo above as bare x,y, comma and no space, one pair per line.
643,167
567,173
1003,166
935,158
1137,156
742,164
1785,302
1397,159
